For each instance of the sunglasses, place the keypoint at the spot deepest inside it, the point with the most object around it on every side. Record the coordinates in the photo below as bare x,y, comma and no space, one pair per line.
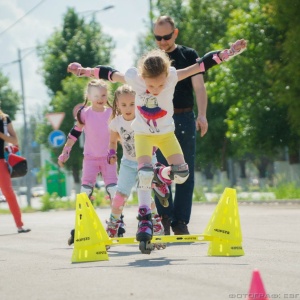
165,37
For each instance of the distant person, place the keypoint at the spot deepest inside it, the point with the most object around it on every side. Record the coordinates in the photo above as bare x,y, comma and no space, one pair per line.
93,119
8,135
154,82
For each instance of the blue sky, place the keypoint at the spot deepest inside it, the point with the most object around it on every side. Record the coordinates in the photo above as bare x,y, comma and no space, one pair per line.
123,23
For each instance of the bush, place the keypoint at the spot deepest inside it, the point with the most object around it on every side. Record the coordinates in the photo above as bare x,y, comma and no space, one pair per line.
53,201
287,191
199,195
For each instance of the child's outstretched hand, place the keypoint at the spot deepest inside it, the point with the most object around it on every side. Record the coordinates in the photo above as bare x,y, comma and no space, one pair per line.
235,49
64,156
239,45
74,68
77,69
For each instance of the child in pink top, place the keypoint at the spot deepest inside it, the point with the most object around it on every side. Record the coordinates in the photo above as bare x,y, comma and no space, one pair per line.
93,120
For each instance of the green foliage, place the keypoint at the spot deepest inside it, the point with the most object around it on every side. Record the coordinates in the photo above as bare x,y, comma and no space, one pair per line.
76,41
254,122
100,198
9,99
199,195
54,202
287,191
285,16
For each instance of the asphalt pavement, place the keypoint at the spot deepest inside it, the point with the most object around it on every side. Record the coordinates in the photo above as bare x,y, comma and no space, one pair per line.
37,265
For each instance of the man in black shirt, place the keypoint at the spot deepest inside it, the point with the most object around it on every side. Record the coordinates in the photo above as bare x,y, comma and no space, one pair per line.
178,213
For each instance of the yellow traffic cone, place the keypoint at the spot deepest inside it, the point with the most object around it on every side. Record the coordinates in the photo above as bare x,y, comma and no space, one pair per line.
224,226
90,236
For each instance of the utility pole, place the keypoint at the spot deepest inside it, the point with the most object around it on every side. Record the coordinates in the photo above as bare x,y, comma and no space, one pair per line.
26,136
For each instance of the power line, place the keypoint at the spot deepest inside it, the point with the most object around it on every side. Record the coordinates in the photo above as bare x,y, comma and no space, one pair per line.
32,49
12,25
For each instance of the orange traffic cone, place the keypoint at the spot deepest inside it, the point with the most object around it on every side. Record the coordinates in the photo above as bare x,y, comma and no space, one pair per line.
257,290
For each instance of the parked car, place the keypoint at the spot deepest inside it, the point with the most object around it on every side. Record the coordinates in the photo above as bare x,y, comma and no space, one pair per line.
37,191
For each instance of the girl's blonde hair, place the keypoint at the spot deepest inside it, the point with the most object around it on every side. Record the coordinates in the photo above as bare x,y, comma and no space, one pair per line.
121,90
154,63
92,83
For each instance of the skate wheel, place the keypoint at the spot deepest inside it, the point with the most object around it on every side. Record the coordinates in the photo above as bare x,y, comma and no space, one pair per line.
145,247
160,246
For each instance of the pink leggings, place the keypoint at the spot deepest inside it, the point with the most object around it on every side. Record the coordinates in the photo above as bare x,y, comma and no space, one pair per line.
8,192
93,166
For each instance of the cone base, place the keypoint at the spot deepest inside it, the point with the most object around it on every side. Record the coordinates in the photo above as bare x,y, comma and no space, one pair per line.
225,248
90,254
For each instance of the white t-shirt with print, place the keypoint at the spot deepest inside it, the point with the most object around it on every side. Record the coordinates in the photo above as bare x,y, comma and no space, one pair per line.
144,102
123,128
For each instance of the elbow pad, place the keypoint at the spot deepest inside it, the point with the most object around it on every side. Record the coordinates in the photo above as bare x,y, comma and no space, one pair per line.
209,60
75,133
104,72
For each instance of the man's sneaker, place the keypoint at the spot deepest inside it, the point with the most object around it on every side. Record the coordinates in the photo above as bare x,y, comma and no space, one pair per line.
180,228
145,227
158,229
160,187
166,222
115,228
71,238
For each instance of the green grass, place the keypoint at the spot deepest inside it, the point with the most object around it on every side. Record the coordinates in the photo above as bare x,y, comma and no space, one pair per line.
283,191
286,191
54,202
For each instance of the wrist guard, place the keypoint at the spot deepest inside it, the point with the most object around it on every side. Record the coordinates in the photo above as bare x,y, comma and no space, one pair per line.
228,54
65,154
111,154
75,133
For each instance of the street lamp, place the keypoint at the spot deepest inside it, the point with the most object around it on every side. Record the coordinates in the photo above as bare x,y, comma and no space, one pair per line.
92,12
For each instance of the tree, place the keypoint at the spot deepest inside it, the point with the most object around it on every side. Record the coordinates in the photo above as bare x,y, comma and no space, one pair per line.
286,69
9,99
76,41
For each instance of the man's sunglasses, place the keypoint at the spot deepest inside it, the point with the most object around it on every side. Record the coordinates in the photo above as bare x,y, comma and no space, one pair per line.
165,37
